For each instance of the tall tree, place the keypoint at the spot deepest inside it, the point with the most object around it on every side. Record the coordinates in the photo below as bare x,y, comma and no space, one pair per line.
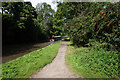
19,17
45,17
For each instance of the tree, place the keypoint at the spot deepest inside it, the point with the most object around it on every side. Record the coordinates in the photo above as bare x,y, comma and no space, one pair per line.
19,17
45,17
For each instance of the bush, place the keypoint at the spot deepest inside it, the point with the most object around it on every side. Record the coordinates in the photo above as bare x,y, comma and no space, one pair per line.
81,29
94,62
107,29
103,27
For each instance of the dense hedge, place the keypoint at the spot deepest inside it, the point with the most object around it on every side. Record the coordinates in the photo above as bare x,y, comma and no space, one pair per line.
103,26
80,30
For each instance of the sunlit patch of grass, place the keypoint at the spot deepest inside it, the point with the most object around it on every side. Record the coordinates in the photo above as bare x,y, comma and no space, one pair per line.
25,66
0,72
92,63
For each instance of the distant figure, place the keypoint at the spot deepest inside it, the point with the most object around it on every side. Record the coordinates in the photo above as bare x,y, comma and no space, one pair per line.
53,36
52,40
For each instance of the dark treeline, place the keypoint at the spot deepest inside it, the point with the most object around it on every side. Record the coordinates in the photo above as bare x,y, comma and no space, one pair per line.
83,22
22,23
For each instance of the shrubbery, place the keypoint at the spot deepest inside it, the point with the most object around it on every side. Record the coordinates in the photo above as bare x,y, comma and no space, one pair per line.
80,29
103,26
95,62
99,30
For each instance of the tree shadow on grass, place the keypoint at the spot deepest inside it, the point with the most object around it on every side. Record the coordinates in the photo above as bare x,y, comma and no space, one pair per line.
10,52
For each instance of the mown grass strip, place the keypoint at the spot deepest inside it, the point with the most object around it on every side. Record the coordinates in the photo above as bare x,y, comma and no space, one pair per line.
92,63
25,66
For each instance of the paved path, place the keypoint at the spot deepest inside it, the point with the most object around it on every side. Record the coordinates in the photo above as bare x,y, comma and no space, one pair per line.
56,69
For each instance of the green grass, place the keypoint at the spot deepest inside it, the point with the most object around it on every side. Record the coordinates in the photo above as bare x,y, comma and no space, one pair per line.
92,63
25,66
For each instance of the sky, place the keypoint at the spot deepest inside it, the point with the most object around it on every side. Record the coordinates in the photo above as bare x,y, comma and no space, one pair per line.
35,2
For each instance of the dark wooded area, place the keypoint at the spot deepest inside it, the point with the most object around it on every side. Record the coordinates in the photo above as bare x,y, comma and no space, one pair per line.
22,23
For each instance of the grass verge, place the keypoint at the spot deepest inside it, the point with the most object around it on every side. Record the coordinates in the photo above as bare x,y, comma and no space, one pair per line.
92,63
25,66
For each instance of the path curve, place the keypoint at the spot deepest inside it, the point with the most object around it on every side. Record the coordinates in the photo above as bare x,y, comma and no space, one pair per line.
58,68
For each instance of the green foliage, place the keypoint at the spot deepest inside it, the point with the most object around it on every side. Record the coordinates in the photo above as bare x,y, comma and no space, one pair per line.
19,17
45,17
25,66
99,22
68,10
64,12
80,29
95,25
94,62
25,23
107,29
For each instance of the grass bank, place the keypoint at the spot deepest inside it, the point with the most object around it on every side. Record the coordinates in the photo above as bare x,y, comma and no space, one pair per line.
25,66
92,63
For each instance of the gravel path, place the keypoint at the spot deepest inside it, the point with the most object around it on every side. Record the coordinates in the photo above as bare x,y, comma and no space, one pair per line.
56,69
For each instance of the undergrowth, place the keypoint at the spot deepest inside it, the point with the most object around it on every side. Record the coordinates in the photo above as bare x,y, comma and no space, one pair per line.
93,62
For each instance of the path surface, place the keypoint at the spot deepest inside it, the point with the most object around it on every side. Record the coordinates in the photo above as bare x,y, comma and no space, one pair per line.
56,69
